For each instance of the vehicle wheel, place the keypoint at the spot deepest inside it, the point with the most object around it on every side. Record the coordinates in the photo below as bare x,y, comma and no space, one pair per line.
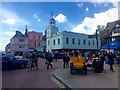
22,66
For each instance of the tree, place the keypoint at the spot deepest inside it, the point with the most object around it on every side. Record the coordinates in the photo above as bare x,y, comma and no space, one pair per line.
101,33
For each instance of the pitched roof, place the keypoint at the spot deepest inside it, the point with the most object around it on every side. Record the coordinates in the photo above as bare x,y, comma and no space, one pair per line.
111,25
18,34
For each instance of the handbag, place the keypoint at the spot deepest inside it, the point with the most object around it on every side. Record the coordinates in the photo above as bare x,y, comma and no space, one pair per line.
46,62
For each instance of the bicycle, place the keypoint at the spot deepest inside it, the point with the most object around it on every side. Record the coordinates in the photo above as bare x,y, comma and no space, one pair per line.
32,64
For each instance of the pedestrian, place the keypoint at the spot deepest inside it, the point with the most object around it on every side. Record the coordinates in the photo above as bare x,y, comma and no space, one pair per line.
90,56
56,56
67,60
111,61
46,58
33,60
86,56
36,60
64,60
102,59
49,59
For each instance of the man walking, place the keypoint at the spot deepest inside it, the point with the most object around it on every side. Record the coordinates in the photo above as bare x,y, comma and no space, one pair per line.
64,60
49,59
33,60
111,61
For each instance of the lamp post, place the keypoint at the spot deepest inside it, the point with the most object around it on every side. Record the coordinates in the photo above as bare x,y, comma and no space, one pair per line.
97,37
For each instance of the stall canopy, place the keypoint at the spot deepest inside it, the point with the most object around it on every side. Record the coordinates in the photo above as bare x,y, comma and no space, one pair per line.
112,45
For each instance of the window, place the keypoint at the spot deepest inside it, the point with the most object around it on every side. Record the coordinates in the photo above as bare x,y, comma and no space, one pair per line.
21,46
35,44
67,40
78,41
119,30
73,41
39,44
31,36
21,40
35,37
48,42
93,42
84,42
116,30
89,42
53,41
58,40
38,36
30,44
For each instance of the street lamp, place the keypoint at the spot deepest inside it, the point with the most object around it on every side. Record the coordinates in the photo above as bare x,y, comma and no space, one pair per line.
97,37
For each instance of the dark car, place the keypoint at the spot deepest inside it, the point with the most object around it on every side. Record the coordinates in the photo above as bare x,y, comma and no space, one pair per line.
10,62
60,55
41,54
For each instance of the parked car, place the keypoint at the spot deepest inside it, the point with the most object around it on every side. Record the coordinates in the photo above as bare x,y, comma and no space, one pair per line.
41,54
10,62
60,55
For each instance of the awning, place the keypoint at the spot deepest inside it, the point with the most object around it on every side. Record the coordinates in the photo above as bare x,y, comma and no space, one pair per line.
112,45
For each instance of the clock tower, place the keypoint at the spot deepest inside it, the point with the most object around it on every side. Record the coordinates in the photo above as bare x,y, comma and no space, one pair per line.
50,31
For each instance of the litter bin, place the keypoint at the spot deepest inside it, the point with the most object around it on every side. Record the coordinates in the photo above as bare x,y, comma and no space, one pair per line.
118,59
97,65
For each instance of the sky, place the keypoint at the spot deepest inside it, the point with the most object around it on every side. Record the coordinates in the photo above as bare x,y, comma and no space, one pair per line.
80,17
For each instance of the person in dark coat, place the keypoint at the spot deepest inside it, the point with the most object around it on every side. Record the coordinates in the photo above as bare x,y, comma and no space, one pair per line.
46,58
111,61
49,59
67,60
33,60
102,59
56,56
64,60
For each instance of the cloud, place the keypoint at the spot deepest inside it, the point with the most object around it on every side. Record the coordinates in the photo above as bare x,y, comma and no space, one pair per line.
8,33
10,17
11,29
86,9
89,25
80,5
2,47
61,18
105,4
39,20
9,21
5,38
114,2
36,17
30,30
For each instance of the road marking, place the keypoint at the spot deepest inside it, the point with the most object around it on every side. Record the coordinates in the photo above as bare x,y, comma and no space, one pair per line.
61,85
